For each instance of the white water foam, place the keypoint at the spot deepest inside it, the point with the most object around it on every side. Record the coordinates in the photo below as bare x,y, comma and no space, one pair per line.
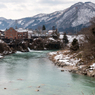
1,56
33,50
18,52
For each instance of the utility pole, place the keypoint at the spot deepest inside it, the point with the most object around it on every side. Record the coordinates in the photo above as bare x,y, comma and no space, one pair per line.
76,20
57,27
16,24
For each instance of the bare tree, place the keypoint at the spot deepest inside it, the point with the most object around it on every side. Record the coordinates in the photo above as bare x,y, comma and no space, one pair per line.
39,30
89,42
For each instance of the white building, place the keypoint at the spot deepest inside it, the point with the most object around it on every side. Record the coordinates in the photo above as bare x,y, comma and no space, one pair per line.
50,32
30,32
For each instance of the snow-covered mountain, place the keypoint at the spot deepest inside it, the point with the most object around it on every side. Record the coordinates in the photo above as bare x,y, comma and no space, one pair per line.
75,17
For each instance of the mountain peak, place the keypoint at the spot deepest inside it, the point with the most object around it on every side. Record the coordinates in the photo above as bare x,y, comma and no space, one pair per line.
88,2
79,3
2,18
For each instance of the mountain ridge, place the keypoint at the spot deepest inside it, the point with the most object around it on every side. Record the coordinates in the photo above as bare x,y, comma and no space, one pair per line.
78,15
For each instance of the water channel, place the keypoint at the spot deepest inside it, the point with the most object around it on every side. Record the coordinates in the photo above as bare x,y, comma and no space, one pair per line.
23,73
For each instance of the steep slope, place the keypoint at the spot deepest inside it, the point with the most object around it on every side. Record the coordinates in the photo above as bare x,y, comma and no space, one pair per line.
77,15
39,20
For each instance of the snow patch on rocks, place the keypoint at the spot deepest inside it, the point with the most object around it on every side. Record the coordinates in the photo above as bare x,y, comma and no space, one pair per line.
1,41
65,58
92,66
52,39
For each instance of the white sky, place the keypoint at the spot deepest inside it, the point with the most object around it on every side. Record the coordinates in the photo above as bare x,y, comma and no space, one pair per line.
16,9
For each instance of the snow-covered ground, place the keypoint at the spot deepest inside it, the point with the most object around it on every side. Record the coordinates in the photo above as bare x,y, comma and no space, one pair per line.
71,37
92,66
1,41
64,57
52,39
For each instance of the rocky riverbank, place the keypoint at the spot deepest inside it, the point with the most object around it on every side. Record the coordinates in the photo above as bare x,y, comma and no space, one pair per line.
24,45
4,49
72,62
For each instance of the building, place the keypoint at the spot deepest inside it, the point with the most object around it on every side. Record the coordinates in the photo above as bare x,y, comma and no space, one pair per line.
50,32
20,33
30,32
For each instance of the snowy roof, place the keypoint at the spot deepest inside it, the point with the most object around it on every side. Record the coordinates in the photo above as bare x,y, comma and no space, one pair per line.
30,31
2,30
50,31
21,30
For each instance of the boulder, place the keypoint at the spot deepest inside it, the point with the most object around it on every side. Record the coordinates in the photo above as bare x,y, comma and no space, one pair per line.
38,87
37,90
62,70
4,48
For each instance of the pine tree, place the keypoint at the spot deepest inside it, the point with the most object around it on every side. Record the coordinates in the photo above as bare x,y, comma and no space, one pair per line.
65,39
43,28
53,28
93,31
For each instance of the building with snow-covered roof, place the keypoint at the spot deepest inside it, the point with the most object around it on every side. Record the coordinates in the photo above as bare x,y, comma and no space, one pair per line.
21,30
20,33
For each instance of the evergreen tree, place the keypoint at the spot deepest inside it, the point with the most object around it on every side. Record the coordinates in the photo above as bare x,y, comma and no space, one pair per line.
93,31
75,45
53,28
65,39
43,28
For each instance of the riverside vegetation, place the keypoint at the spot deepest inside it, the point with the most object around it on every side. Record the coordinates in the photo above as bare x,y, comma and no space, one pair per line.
79,57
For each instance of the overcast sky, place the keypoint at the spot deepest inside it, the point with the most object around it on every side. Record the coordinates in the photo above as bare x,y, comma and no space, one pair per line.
16,9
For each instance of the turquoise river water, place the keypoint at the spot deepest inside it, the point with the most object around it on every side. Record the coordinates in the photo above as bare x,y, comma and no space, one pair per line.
22,73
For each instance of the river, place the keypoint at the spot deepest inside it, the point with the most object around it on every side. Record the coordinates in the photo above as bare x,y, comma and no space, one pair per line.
23,73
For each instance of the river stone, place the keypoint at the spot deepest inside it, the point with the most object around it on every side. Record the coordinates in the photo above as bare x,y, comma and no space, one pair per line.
37,90
62,70
38,86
